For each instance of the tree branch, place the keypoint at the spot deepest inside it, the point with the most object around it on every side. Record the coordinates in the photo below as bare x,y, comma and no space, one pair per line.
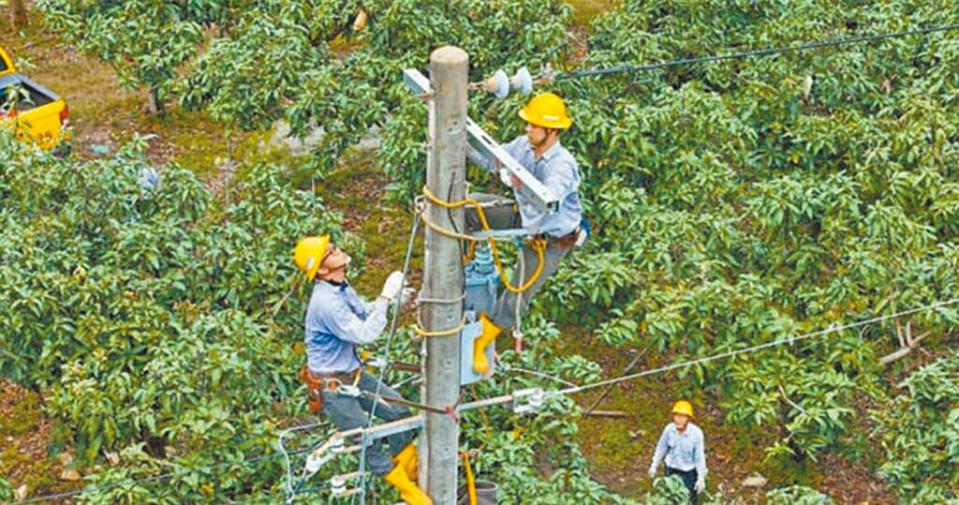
912,344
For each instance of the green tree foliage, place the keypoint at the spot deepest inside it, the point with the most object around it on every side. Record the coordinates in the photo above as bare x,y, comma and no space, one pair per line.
144,41
733,204
741,202
149,313
920,434
6,490
798,495
251,62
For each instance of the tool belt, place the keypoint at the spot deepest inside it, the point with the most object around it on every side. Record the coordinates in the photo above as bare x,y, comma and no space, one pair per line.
566,241
316,384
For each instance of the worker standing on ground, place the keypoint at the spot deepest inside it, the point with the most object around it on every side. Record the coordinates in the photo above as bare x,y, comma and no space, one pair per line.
682,447
540,152
337,320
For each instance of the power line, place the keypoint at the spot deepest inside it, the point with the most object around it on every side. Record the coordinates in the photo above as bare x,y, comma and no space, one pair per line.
754,53
507,398
290,491
789,340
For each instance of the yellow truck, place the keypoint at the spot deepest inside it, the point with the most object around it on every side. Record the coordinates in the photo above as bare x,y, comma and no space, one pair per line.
38,115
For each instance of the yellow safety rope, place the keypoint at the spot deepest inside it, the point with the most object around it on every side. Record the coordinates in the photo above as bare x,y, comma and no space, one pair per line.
418,328
470,481
539,245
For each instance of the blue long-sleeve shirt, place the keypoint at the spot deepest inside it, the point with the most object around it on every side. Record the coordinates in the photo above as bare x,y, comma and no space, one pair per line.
337,319
557,170
683,451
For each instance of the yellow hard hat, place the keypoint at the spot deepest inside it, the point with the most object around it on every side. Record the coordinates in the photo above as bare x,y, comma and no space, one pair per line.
683,407
310,253
546,110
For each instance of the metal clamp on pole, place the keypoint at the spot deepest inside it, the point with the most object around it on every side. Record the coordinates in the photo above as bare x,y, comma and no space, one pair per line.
488,148
527,401
348,390
338,485
319,457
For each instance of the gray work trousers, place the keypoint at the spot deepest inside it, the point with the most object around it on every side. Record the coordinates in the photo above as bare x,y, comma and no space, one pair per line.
348,413
502,214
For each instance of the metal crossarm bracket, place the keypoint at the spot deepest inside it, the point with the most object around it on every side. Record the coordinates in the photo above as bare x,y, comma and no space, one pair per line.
336,445
484,144
512,233
384,430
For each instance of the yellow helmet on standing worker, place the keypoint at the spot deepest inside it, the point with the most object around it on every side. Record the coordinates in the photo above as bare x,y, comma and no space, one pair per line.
683,407
310,253
547,110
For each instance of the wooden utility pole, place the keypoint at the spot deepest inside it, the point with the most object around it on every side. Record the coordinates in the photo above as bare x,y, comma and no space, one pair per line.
18,15
443,276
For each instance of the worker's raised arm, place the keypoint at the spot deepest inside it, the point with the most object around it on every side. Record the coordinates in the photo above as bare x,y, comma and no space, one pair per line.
473,155
347,326
563,179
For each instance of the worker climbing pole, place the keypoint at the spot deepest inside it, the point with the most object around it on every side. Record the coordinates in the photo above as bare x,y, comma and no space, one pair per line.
551,234
337,320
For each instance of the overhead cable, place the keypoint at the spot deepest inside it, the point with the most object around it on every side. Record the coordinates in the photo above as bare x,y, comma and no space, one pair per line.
754,53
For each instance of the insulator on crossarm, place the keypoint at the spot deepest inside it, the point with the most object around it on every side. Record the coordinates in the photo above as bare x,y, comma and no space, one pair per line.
497,84
522,81
500,85
337,485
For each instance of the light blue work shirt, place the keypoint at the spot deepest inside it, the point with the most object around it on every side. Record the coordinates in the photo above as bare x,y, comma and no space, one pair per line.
337,319
682,451
557,170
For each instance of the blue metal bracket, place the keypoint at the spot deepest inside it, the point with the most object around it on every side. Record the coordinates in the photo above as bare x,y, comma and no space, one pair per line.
482,288
467,338
512,233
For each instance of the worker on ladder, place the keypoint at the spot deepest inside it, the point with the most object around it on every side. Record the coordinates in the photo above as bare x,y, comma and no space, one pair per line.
682,447
540,152
337,320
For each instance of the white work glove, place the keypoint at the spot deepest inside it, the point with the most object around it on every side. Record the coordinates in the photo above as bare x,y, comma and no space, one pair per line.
700,485
652,473
393,287
506,177
406,294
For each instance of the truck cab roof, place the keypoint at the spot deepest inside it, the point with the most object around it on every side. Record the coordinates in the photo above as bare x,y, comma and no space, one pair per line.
6,64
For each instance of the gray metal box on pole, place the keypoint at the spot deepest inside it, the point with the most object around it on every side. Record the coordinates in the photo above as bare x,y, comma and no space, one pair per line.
443,275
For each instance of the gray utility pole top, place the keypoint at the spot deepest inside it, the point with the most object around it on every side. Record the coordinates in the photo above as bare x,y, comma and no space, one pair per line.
443,276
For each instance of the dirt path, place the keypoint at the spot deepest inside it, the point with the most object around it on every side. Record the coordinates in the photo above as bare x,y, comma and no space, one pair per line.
25,442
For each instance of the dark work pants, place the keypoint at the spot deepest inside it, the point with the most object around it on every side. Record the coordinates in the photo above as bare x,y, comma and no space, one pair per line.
689,480
348,413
